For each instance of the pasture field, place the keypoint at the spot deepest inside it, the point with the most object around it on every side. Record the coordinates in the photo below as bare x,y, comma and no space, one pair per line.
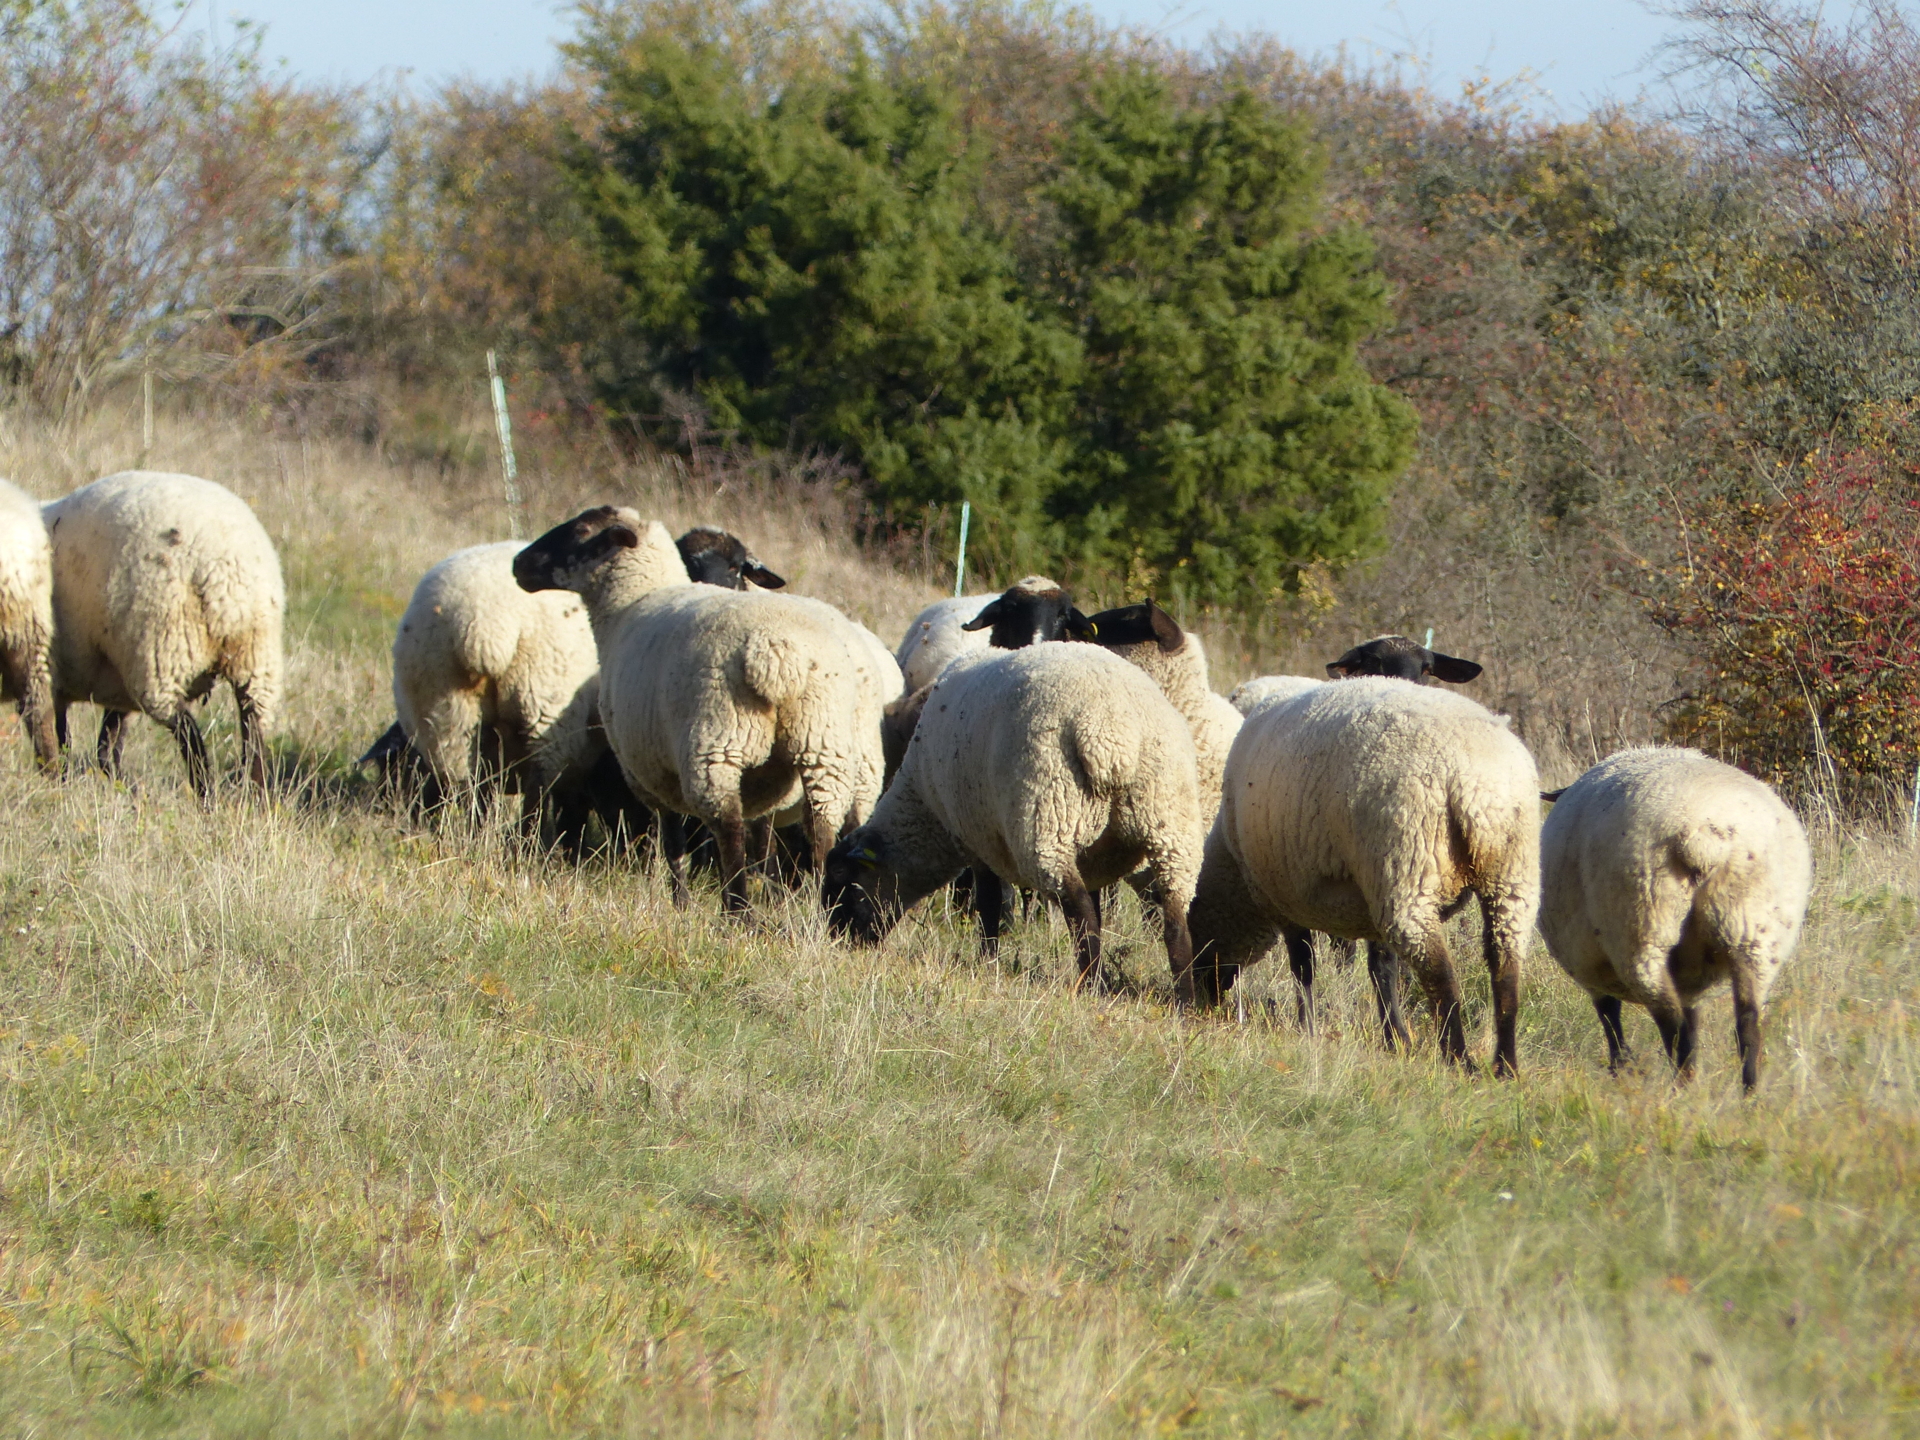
312,1124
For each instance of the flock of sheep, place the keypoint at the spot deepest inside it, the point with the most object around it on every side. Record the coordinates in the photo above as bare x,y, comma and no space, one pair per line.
607,670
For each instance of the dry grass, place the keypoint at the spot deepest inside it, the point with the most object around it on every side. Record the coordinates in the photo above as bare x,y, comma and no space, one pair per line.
315,1125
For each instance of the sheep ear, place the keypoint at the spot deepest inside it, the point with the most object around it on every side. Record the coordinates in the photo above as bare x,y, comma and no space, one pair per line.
625,536
761,575
985,618
1452,669
1166,629
866,855
1336,671
1079,627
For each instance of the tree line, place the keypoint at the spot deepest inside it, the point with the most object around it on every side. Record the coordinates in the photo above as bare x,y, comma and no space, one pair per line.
1218,324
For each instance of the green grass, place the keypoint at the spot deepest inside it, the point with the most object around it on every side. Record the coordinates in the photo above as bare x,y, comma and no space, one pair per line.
314,1125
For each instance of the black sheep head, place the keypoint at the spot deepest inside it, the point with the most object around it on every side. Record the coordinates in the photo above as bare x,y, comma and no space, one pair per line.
719,557
569,555
1031,612
1398,658
1138,625
859,890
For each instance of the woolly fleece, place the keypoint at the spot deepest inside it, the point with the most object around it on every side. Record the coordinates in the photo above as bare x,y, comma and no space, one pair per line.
162,584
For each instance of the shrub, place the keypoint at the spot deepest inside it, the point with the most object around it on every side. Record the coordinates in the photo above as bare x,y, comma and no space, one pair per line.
1805,610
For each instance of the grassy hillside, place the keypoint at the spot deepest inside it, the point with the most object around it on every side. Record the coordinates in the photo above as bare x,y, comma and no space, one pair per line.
316,1125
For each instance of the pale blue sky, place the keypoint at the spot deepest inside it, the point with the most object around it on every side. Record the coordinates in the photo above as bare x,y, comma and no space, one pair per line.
1578,53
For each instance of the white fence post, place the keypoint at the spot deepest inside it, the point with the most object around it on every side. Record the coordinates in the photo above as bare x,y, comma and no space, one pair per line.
503,427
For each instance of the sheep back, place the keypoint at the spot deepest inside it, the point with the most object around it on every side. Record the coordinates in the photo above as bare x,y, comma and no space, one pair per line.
1663,863
474,648
1364,810
1182,676
162,583
1050,762
935,637
702,680
1264,690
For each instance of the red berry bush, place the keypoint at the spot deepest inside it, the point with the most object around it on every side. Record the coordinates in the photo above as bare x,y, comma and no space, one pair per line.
1805,610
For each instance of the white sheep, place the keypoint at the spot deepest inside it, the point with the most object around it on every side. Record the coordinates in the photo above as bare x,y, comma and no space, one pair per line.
480,664
163,584
1152,639
1372,809
937,634
1664,872
718,704
26,619
1264,690
1057,767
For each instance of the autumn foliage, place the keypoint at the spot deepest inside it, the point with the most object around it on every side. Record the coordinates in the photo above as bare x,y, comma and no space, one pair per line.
1805,610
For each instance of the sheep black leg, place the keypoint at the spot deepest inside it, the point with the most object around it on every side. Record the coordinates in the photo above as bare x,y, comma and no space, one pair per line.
253,736
1383,969
1503,957
1173,920
990,903
1300,961
193,749
673,845
1676,1024
60,733
760,846
1746,1026
1083,924
730,831
1608,1008
112,742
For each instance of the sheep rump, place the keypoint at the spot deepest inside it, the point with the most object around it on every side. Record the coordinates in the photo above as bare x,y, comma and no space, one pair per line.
1663,873
1370,810
480,664
725,705
1058,767
162,585
936,636
26,619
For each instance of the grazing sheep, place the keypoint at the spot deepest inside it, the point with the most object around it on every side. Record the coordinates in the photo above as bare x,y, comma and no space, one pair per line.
717,704
1398,657
1371,810
1264,690
1664,872
1028,612
1057,767
480,663
1152,639
162,585
26,619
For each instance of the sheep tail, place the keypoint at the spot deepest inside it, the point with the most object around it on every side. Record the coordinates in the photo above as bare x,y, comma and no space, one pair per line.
775,667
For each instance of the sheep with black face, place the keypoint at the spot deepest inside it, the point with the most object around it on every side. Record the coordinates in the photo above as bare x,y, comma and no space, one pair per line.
480,665
1025,613
1032,611
1373,810
1398,658
722,705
